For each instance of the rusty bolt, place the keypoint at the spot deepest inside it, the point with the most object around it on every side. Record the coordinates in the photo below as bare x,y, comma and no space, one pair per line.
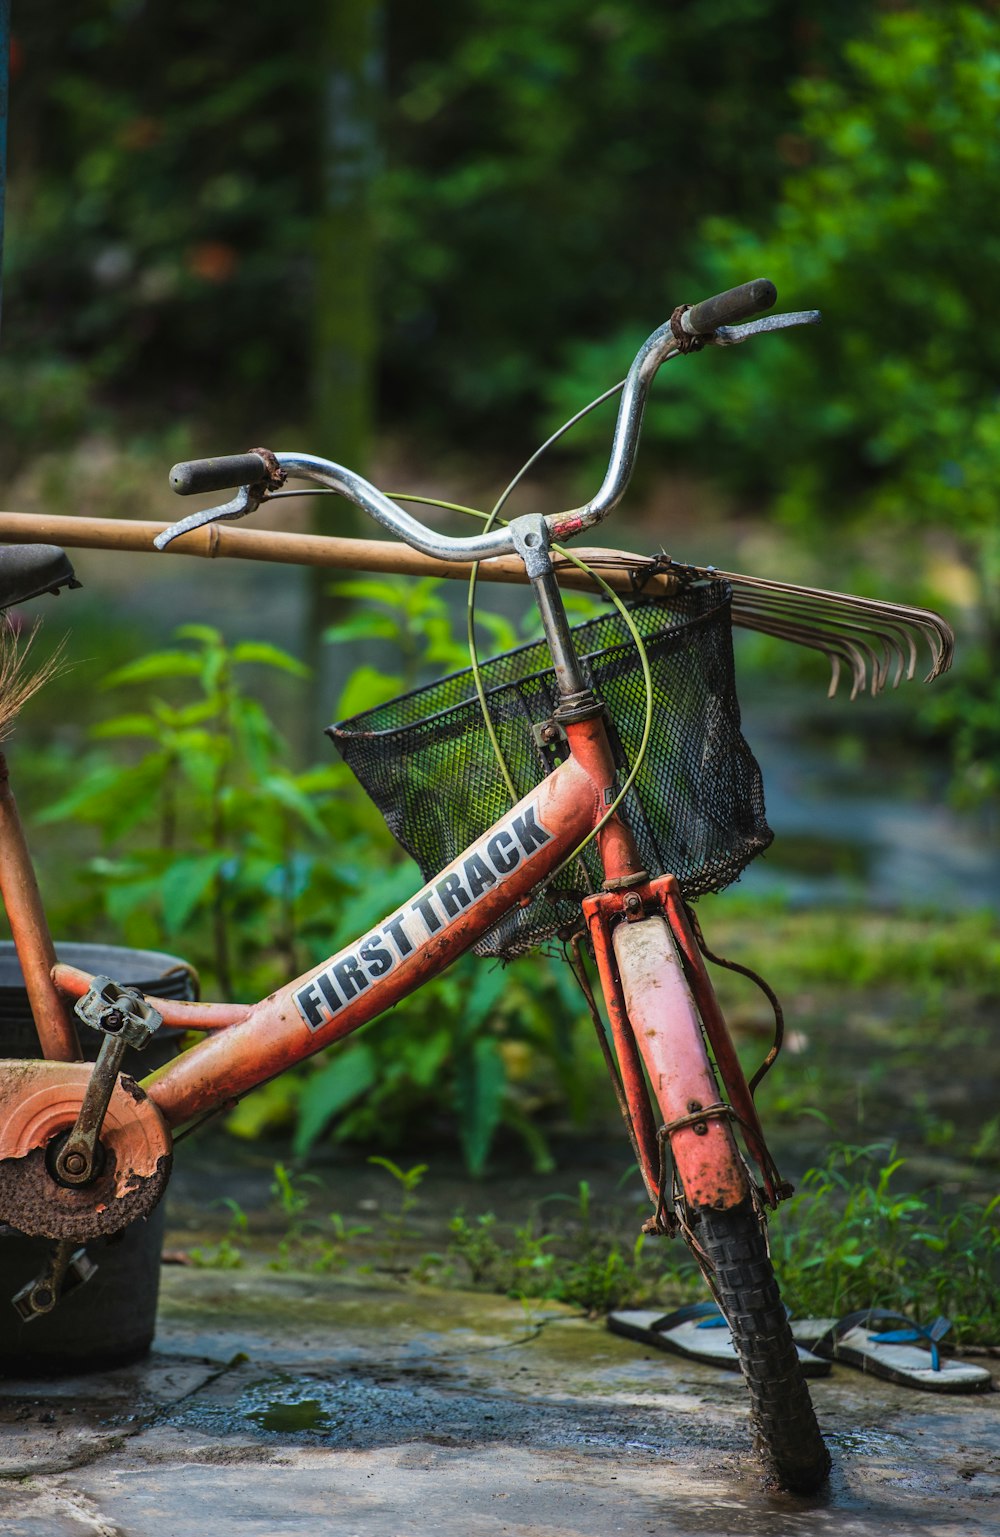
693,1105
113,1021
632,906
701,1129
74,1163
550,732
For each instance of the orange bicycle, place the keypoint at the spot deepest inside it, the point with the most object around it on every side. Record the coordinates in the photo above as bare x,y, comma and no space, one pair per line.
589,785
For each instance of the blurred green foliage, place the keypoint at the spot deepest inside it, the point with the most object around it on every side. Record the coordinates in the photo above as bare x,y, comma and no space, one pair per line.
883,419
543,173
891,226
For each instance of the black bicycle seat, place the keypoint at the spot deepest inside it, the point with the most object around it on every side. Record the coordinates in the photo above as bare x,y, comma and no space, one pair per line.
28,570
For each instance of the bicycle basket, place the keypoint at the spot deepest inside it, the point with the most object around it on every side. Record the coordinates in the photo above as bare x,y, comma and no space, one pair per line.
697,806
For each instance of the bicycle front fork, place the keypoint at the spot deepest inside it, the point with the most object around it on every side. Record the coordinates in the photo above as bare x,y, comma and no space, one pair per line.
665,1021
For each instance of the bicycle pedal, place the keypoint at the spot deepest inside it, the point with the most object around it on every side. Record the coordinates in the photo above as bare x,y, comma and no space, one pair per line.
119,1011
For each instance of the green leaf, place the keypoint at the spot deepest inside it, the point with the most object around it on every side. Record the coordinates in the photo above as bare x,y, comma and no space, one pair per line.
269,656
270,1108
127,725
480,1082
388,592
206,634
184,885
366,688
284,790
365,626
542,1160
124,897
378,897
159,664
342,1080
488,986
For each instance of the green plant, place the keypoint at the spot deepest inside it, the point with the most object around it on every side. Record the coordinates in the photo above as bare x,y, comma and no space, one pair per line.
413,617
256,871
209,837
226,1254
307,1243
395,1221
850,1239
537,174
575,1262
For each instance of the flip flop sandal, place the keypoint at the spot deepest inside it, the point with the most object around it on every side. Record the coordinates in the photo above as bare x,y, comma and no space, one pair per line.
907,1355
699,1332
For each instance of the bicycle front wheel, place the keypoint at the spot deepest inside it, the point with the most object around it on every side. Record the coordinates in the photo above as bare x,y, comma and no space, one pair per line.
737,1266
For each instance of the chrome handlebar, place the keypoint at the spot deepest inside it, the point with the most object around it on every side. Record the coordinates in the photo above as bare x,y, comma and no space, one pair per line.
666,342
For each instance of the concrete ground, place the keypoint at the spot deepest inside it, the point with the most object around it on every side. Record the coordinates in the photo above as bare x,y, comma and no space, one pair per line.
284,1403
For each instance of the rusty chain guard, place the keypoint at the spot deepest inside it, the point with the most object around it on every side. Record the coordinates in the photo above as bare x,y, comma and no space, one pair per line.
38,1100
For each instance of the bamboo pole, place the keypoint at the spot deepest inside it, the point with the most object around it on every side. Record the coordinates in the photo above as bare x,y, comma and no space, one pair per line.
217,540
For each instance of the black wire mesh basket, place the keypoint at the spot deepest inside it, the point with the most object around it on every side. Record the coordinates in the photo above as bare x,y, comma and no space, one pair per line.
696,808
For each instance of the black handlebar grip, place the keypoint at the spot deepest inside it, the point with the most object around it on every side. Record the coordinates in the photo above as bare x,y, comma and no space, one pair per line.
725,309
223,474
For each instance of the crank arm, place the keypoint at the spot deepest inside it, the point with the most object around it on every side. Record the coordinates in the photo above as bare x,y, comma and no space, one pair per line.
75,1159
66,1268
124,1018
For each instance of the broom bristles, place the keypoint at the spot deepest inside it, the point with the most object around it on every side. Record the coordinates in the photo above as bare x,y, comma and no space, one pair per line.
18,679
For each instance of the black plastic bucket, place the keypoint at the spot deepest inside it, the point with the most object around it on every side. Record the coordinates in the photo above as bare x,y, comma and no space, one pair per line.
112,1318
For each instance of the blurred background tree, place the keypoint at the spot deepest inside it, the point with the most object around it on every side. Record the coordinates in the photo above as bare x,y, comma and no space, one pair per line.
543,175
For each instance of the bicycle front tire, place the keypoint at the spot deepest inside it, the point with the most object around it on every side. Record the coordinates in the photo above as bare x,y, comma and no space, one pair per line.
737,1266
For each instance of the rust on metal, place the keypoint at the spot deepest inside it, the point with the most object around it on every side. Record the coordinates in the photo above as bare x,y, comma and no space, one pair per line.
23,903
686,341
37,1205
79,1157
667,1030
667,891
39,1101
276,476
598,912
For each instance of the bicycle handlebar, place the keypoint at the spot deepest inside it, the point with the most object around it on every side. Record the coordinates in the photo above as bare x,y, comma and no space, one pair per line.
193,476
725,309
709,321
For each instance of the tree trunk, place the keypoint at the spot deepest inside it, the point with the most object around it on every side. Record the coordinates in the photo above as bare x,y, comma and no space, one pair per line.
4,62
344,316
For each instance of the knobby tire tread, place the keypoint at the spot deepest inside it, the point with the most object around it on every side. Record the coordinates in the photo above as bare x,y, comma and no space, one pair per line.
787,1437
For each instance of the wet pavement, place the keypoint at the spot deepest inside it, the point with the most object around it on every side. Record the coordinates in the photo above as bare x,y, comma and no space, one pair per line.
289,1403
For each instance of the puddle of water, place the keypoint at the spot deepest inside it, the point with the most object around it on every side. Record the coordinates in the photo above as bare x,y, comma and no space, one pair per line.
867,1442
366,1411
291,1416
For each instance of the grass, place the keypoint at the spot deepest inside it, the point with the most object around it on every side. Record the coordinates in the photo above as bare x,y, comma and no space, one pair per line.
857,948
855,1235
890,1023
